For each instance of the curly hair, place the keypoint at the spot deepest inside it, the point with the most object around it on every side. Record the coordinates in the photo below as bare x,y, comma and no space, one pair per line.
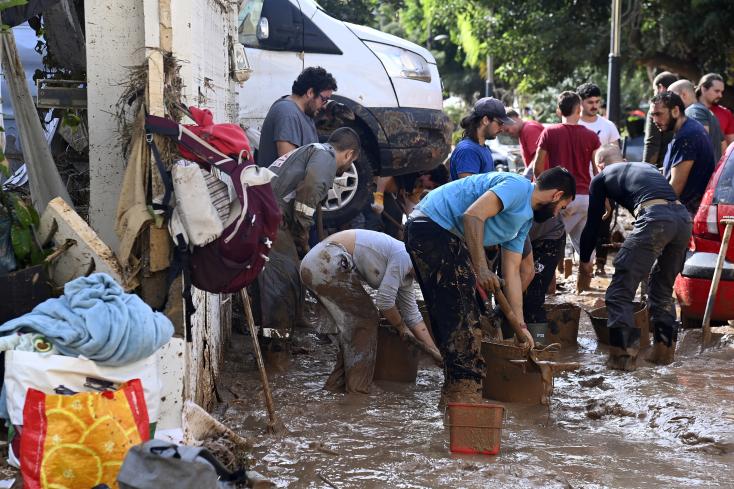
588,90
314,77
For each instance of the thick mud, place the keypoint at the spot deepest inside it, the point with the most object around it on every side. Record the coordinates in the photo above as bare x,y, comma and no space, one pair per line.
669,426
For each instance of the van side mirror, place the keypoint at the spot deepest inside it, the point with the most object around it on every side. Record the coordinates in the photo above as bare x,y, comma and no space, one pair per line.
263,29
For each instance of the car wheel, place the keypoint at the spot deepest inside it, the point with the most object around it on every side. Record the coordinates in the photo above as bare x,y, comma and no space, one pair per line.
349,194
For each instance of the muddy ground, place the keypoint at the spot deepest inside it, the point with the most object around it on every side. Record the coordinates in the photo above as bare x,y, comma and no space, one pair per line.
657,427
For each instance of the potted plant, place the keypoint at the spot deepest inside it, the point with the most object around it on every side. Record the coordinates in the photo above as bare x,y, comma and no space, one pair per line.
23,278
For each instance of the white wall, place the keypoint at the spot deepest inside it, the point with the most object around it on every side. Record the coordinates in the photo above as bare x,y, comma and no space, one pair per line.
116,38
201,30
115,35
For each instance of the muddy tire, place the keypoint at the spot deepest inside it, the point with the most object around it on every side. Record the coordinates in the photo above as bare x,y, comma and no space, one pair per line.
349,194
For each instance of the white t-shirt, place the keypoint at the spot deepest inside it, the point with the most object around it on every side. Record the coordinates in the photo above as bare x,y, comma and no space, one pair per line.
604,128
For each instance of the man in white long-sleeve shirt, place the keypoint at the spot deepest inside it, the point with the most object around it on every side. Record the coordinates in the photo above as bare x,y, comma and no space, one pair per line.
333,270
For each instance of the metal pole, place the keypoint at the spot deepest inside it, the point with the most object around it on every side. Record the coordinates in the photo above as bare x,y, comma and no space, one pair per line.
489,84
613,97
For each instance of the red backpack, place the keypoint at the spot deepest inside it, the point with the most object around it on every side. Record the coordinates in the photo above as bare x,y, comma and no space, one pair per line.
236,257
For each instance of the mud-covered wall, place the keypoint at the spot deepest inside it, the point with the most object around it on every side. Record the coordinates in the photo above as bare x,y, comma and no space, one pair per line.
201,33
118,33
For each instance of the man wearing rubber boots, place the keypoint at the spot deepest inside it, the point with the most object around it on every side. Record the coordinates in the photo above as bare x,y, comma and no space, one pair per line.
305,176
446,236
658,242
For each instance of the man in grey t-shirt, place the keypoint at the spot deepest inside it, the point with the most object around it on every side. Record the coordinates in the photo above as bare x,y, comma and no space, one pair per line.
696,110
290,120
334,270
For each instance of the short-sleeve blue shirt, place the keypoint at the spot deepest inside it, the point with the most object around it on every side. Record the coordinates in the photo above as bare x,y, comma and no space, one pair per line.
447,204
691,142
470,157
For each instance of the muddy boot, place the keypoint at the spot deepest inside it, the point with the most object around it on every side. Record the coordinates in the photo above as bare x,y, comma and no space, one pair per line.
622,358
467,391
661,353
600,264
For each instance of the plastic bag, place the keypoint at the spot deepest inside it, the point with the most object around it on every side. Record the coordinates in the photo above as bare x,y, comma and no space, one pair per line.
80,441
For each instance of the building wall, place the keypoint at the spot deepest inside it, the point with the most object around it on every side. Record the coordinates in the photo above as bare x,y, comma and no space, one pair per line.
118,31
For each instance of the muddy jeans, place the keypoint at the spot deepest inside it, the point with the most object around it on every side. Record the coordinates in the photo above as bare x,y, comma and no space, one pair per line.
546,254
281,297
658,242
443,268
328,272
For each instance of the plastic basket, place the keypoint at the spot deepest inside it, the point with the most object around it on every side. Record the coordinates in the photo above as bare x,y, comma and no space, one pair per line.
475,428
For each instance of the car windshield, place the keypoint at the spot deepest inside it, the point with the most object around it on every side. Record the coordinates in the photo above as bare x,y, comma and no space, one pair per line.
248,18
724,193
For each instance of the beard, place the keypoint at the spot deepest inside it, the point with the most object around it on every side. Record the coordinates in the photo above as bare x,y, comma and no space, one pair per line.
671,124
544,212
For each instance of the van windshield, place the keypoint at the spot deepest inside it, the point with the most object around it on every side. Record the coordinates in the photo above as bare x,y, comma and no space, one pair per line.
724,193
247,21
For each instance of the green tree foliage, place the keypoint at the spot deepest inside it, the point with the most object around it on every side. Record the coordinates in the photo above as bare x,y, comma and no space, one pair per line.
537,44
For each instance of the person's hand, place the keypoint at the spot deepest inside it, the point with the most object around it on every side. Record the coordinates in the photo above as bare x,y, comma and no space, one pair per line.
524,339
487,280
586,269
379,202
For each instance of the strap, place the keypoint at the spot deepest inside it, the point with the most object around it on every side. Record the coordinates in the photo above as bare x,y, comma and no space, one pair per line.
165,176
184,258
225,475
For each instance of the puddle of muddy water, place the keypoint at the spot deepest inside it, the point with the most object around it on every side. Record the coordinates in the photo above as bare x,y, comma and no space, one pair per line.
657,427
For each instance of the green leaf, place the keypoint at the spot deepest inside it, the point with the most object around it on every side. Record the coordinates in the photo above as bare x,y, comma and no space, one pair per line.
35,218
37,255
22,241
22,213
2,129
5,4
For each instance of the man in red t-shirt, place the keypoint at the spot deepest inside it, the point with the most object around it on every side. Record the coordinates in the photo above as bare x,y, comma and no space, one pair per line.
709,92
571,146
527,133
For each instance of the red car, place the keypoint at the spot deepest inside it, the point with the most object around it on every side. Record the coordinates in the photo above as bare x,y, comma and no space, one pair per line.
693,284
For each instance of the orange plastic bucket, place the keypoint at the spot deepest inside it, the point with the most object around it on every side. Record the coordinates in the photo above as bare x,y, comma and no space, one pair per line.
475,428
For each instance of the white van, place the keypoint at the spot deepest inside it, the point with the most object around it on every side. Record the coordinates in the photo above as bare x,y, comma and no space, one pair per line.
390,89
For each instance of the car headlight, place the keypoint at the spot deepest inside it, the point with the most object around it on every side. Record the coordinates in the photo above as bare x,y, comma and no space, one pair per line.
401,63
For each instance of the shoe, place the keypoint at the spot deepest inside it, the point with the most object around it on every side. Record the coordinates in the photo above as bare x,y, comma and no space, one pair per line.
624,359
661,354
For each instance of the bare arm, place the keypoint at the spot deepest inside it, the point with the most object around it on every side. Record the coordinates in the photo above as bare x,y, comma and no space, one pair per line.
483,208
540,161
594,167
527,271
679,176
729,138
513,283
284,147
420,331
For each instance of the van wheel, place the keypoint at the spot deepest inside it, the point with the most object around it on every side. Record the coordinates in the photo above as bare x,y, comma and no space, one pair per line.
349,194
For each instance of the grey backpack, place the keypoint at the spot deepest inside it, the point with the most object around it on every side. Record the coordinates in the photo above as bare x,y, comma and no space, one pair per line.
156,463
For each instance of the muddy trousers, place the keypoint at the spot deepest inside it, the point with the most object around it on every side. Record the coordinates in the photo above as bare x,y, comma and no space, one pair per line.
281,296
443,268
658,242
328,272
546,254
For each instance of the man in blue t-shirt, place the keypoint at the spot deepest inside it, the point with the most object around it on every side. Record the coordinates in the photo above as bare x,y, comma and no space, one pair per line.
471,155
446,235
689,160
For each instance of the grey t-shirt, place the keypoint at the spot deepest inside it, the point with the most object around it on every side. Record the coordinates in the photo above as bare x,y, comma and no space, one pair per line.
384,263
285,122
305,176
703,115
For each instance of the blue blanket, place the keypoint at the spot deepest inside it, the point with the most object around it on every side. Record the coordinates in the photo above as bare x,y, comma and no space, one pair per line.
97,319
